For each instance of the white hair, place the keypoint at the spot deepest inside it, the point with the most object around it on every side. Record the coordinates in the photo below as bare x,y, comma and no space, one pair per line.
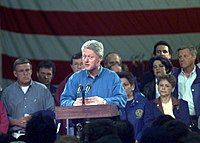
95,46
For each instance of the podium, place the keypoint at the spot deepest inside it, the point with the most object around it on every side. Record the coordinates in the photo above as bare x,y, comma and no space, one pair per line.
85,112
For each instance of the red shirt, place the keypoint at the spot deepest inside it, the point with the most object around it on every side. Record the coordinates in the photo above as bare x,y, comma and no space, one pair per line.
4,122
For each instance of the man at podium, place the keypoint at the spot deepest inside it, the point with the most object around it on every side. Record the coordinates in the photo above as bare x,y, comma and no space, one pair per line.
94,85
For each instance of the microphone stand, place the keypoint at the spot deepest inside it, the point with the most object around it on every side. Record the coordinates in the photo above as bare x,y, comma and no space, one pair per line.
85,92
83,97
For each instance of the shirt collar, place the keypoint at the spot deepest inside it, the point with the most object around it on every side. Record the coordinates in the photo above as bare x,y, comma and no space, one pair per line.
100,71
175,102
193,71
31,83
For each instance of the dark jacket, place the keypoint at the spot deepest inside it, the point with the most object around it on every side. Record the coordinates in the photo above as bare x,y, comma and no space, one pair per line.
195,88
149,90
180,109
139,113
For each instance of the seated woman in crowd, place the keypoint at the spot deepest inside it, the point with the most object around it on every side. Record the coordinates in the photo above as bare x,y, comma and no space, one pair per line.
159,66
138,110
167,104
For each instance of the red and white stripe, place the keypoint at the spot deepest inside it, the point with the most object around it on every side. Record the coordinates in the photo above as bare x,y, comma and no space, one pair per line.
55,30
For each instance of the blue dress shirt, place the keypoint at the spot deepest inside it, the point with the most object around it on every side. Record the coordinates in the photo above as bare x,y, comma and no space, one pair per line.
106,85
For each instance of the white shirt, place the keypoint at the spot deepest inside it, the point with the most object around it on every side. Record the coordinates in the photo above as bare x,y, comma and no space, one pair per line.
168,108
24,89
184,88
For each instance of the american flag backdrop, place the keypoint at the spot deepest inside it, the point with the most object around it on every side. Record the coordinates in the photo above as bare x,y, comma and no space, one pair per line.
56,29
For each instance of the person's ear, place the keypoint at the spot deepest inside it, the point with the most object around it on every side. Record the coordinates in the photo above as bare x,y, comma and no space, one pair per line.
37,74
170,56
15,73
194,57
133,87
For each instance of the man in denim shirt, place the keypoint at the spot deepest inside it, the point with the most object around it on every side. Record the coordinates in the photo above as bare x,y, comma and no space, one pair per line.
98,84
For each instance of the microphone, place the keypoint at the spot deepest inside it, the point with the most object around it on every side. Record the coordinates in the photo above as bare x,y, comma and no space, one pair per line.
79,90
85,92
87,88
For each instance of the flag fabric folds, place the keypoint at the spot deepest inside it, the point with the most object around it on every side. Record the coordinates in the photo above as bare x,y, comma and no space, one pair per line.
56,30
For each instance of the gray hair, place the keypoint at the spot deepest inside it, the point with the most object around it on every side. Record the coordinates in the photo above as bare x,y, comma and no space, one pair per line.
20,61
192,49
95,46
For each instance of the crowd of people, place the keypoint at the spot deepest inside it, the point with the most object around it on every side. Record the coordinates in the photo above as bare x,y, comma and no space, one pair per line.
163,107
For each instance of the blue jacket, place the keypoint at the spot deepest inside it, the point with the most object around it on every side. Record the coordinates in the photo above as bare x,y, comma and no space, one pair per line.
195,88
180,109
139,113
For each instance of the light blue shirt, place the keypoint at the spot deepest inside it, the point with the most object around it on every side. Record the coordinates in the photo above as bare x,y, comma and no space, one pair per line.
184,88
18,103
106,85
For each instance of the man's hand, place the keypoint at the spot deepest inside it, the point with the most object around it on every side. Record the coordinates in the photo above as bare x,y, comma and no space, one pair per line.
78,102
95,100
21,121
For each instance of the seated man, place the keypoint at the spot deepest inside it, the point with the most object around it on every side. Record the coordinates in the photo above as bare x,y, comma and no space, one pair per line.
24,97
45,73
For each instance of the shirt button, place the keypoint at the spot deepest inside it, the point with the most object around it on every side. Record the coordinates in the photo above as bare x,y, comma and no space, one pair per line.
25,98
192,89
24,106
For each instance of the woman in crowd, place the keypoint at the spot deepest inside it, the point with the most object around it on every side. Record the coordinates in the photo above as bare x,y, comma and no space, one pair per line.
159,66
167,104
138,110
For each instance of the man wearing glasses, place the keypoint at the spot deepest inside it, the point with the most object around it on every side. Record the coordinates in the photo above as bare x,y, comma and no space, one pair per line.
24,97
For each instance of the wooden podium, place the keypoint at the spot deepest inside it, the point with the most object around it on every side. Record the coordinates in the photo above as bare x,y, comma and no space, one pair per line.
85,112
